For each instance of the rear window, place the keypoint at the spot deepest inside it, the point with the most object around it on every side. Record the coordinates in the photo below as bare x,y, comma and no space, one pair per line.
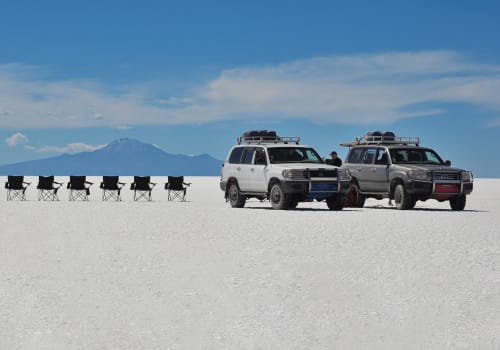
235,155
369,155
247,156
356,155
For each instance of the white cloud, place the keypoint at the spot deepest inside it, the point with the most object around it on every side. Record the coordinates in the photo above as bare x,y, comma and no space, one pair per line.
16,139
69,148
353,89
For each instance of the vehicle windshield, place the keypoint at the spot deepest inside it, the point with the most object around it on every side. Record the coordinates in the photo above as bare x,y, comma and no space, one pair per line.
293,155
415,156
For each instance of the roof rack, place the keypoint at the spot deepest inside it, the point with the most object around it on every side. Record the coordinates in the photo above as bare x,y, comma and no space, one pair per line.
268,139
383,140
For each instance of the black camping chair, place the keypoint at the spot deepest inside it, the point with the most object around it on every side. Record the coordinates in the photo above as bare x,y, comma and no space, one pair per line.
142,187
47,188
176,188
79,188
16,188
111,188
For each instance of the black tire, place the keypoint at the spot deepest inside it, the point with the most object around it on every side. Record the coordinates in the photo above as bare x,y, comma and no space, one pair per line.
458,203
402,198
336,202
293,204
412,203
235,197
354,198
279,200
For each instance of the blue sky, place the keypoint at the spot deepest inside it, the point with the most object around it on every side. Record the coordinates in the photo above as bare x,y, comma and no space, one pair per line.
191,76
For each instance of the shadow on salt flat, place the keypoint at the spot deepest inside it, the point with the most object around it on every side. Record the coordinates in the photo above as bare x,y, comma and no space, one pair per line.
426,209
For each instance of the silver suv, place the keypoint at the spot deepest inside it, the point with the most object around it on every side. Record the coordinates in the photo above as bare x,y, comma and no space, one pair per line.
385,166
266,166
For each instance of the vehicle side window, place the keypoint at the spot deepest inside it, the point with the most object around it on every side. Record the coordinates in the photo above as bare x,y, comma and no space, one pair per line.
235,155
381,157
432,158
247,156
356,155
260,156
369,155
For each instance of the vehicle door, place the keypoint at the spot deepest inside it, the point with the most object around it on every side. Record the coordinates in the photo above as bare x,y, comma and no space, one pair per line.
258,171
232,168
380,171
245,169
354,164
367,170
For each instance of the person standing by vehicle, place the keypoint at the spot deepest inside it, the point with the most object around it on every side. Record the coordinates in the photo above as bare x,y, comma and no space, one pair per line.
335,160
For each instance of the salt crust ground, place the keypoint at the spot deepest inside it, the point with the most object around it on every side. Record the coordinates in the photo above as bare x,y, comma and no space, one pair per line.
200,275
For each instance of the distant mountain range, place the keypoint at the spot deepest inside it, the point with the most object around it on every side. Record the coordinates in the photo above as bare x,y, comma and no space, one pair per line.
125,157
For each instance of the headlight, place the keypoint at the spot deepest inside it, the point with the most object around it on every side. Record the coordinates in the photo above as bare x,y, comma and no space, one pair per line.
287,173
420,175
467,176
344,174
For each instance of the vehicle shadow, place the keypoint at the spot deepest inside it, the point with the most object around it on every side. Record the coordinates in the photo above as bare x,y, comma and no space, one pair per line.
303,209
426,209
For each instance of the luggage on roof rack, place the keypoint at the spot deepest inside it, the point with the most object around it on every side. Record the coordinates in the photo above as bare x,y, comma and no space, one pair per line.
387,137
265,136
260,133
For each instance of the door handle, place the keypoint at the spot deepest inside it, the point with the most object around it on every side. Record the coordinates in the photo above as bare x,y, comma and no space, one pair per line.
238,168
252,169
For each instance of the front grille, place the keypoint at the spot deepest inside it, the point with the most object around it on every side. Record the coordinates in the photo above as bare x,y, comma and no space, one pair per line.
306,174
446,176
323,173
298,174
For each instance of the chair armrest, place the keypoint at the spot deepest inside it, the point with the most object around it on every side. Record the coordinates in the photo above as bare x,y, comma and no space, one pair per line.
187,183
59,184
89,183
153,184
102,185
27,183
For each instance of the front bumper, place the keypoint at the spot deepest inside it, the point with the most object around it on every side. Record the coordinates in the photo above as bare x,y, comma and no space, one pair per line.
439,190
223,185
315,189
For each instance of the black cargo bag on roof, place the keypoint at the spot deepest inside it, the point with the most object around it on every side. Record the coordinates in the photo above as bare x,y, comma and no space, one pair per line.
373,136
389,136
259,133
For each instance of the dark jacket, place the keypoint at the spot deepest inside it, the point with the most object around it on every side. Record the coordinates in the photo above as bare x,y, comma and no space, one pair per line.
337,161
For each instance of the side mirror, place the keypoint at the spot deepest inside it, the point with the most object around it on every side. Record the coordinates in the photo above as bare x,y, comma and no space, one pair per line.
447,163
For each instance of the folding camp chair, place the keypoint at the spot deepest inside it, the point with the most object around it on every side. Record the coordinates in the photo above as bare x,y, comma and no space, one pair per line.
142,187
47,188
16,188
111,188
176,188
79,188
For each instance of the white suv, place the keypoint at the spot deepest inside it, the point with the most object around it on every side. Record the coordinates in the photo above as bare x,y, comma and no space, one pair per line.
265,166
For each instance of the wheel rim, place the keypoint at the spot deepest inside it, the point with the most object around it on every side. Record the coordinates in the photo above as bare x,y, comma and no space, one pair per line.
275,195
233,193
397,195
352,196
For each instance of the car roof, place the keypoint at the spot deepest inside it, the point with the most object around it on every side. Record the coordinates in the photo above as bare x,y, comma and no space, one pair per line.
272,145
390,146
